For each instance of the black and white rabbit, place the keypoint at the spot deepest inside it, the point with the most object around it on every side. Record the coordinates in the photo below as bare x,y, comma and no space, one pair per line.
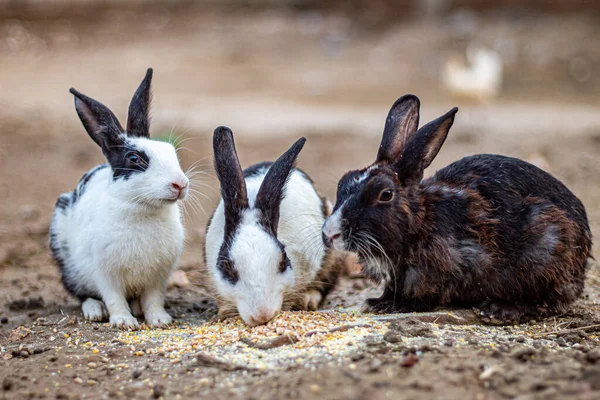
263,247
118,235
488,231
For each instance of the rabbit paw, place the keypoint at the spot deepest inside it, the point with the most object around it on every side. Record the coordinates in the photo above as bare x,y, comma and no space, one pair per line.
498,313
124,321
94,310
312,298
379,306
158,318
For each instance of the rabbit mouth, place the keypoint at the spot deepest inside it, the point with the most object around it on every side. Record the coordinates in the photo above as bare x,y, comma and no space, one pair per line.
179,196
170,200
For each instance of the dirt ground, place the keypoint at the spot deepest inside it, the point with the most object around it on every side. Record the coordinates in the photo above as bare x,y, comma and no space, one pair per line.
273,76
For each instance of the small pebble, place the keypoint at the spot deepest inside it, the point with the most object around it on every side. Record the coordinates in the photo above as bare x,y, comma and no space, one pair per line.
7,384
78,380
409,361
392,337
315,388
375,365
158,391
4,320
137,373
562,342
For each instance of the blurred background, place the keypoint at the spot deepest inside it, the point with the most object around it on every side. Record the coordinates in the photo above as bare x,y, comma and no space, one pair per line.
525,75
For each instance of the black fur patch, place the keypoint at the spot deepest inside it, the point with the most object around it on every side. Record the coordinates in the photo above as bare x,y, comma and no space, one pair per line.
122,165
81,186
138,120
324,207
231,177
64,201
226,266
61,253
233,193
362,216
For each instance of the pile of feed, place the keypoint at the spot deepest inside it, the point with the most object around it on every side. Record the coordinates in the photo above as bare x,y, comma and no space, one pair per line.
292,337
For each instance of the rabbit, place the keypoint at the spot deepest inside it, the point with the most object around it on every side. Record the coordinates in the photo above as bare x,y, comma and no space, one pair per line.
263,249
490,232
117,237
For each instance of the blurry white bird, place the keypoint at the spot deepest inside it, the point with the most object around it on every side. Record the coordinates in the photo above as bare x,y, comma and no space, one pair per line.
480,80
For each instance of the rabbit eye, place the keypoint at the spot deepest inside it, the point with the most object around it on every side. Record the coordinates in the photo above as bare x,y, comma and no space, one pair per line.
229,272
134,158
386,196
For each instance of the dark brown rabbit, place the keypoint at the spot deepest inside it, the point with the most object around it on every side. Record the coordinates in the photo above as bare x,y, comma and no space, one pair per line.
488,231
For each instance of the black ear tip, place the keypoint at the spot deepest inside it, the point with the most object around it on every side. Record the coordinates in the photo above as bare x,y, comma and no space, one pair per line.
149,73
222,131
410,97
406,102
297,147
300,142
79,97
223,136
452,112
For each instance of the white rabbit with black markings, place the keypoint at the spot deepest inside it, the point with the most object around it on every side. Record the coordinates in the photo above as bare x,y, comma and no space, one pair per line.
263,248
117,237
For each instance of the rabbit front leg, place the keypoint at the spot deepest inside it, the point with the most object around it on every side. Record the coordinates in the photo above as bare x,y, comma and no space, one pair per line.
393,302
117,305
153,305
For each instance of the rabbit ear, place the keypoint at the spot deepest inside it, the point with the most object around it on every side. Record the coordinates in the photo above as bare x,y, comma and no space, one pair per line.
401,124
422,149
99,122
231,176
270,193
138,121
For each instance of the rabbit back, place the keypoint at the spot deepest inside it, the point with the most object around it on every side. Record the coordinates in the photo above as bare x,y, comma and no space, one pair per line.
522,235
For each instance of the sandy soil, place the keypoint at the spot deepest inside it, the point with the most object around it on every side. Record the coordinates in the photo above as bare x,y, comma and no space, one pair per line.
273,76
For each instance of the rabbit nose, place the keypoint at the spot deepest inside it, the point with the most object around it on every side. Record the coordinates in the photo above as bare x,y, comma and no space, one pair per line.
261,317
179,184
329,238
